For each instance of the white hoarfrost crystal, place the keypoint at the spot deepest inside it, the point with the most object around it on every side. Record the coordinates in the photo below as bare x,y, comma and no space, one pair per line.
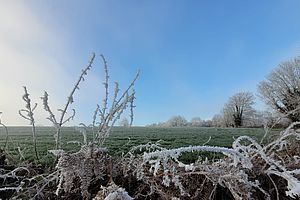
85,165
112,192
175,153
58,152
293,184
166,180
293,188
119,194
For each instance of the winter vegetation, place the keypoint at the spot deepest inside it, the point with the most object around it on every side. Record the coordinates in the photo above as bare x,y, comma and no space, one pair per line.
247,169
281,89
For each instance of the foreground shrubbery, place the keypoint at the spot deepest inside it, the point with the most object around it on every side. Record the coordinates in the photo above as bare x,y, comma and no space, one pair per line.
149,171
248,170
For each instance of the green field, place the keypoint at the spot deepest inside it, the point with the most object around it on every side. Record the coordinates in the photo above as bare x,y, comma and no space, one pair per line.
122,139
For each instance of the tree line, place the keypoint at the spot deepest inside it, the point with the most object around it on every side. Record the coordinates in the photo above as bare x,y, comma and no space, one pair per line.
280,91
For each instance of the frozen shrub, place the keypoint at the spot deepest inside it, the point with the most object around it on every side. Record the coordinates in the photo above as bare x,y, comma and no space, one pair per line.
239,171
91,162
87,165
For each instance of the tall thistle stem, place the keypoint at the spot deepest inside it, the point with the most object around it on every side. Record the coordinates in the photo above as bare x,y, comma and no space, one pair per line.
27,114
59,123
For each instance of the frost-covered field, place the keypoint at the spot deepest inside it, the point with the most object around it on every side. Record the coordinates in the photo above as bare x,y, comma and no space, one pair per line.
122,139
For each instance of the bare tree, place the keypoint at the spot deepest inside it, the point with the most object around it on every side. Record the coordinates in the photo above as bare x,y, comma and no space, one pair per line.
176,121
281,90
227,114
196,122
239,108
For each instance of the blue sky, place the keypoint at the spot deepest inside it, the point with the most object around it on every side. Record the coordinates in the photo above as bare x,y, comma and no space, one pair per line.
193,55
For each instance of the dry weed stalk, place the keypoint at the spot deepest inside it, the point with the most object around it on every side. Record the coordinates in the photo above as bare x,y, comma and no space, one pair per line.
27,114
92,162
108,117
59,122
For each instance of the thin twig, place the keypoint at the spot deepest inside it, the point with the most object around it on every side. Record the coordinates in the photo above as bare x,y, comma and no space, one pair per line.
58,123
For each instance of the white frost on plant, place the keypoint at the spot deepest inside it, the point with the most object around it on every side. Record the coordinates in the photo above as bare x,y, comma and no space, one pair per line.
82,130
166,180
112,192
58,152
293,184
230,172
155,165
175,153
177,183
187,167
293,188
119,194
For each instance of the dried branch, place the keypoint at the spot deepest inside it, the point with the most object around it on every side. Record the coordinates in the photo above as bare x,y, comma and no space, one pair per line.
118,105
71,117
132,106
97,110
47,108
105,100
28,115
58,123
